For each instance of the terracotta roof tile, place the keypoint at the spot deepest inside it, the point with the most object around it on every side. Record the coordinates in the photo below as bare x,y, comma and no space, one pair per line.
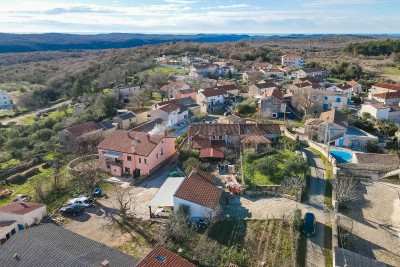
335,117
210,152
172,84
200,188
81,129
292,56
207,130
20,208
255,139
169,107
388,86
388,95
162,257
275,93
352,83
122,141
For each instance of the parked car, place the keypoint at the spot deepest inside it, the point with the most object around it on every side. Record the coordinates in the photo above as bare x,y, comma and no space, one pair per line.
82,201
309,224
160,213
200,222
73,210
298,153
97,192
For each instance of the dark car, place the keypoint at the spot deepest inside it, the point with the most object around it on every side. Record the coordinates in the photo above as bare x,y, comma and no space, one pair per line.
73,210
200,222
309,224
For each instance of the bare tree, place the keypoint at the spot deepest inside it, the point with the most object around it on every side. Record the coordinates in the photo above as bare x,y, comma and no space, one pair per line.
124,201
345,189
139,98
207,251
177,227
255,76
88,176
115,75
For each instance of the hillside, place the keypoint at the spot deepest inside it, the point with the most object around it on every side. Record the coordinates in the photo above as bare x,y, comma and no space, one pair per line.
58,41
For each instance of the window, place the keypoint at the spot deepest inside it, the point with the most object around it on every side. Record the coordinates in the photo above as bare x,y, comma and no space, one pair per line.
127,170
274,115
162,151
326,98
129,158
140,160
157,155
145,161
220,137
274,101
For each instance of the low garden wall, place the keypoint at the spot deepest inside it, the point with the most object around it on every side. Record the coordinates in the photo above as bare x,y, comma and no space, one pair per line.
71,166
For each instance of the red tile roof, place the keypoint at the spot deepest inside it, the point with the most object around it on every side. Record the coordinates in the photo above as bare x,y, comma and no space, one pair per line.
292,56
388,95
81,129
139,110
210,152
199,187
169,108
352,83
261,64
227,87
304,84
172,84
215,92
388,86
275,93
335,117
344,86
162,257
216,129
187,91
122,141
20,208
199,142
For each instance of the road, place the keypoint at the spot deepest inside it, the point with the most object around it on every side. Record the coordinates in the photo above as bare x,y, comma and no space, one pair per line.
315,200
32,113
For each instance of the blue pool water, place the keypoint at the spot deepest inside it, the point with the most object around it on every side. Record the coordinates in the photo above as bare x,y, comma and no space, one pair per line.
341,156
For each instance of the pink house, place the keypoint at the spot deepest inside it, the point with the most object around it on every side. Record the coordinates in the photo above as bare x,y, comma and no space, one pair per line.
129,153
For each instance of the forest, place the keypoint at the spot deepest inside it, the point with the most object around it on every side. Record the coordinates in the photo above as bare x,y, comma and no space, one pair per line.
374,48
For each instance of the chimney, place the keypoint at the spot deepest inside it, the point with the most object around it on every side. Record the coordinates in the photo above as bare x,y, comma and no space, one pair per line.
148,137
194,170
105,263
20,201
165,133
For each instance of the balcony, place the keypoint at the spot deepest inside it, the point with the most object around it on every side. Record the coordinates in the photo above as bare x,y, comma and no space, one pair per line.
113,161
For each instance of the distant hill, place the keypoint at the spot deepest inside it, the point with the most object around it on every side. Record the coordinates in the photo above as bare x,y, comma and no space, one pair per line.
10,43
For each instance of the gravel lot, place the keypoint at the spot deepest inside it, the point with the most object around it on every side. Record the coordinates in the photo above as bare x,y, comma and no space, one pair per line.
376,222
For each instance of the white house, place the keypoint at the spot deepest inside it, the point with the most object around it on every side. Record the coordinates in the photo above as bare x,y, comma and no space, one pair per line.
383,88
7,229
377,110
200,193
341,89
390,98
24,213
262,66
170,90
357,88
201,70
5,101
171,113
292,60
312,72
268,73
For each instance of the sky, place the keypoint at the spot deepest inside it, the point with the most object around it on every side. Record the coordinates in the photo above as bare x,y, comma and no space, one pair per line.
197,16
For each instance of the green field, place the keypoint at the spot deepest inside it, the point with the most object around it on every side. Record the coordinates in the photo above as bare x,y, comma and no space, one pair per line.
255,177
391,70
167,70
334,80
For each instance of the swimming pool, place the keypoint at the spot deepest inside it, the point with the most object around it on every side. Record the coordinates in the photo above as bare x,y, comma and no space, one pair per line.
341,156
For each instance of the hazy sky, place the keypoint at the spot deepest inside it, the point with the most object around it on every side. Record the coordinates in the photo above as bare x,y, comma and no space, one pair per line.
191,16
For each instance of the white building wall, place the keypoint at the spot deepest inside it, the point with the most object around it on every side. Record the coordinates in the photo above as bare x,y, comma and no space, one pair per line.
196,210
159,114
379,114
8,230
25,219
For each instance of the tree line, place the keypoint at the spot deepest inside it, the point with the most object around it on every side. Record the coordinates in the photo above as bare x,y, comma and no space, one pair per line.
374,48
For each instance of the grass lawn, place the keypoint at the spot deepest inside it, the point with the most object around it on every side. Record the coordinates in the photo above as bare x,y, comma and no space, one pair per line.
255,177
335,80
28,120
167,70
9,163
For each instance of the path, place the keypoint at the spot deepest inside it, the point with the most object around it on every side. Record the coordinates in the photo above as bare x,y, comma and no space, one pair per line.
32,113
316,200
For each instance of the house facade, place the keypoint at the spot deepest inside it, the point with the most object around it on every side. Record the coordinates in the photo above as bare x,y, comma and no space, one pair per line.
7,229
125,91
292,60
272,105
355,139
262,66
85,132
329,126
24,213
357,88
383,88
377,110
312,72
273,73
211,139
216,99
390,98
200,192
129,153
341,89
260,88
170,113
125,121
171,89
5,100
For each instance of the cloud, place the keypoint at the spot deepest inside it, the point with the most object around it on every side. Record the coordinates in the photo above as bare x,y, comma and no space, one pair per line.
225,7
180,1
317,3
80,9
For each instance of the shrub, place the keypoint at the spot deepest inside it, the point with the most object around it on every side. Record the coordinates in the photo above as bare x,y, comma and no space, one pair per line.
189,164
249,155
267,166
184,154
285,143
296,165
